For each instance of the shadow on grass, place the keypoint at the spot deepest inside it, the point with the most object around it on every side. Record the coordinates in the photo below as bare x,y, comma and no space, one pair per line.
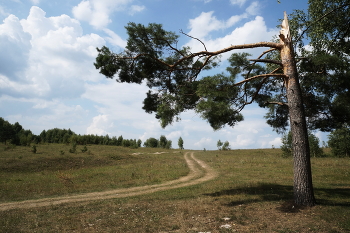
275,192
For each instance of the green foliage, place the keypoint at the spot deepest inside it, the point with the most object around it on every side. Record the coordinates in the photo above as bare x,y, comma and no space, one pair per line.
162,141
223,145
226,146
84,149
286,146
180,143
168,144
339,142
314,144
151,142
219,144
74,148
172,74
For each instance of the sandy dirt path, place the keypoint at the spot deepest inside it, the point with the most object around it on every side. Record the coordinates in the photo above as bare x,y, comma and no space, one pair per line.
199,173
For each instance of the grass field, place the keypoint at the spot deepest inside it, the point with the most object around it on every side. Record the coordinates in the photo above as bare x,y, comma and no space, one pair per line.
253,192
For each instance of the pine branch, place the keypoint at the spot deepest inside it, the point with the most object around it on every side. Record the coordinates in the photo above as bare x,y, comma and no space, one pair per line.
259,76
267,61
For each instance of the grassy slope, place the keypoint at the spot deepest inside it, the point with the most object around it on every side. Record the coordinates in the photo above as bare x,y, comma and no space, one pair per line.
254,190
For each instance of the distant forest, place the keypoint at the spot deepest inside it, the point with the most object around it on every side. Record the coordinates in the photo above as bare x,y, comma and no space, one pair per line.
15,134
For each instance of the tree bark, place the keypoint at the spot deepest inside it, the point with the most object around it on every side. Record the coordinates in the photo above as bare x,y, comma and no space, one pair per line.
303,188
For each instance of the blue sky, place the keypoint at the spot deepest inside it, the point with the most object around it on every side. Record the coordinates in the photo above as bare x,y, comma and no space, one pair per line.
47,77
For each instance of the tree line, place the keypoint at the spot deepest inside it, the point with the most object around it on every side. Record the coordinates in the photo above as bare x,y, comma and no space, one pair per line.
15,134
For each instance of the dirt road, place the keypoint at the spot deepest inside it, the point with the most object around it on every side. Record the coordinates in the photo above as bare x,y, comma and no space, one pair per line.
199,172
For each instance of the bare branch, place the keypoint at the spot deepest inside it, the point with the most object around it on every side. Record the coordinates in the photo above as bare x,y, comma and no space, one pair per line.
279,103
267,61
195,39
275,70
265,52
259,76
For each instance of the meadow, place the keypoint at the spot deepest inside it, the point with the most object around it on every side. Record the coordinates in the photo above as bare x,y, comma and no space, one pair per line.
252,192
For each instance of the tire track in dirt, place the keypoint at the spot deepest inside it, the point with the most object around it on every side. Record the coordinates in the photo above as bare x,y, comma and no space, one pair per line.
199,172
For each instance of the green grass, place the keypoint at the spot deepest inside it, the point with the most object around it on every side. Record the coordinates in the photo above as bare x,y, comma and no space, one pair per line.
253,189
48,173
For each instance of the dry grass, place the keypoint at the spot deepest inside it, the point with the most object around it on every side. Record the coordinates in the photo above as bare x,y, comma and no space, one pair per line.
253,193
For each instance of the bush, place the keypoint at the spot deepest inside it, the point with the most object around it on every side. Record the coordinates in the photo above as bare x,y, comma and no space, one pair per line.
84,149
74,148
151,142
315,150
339,142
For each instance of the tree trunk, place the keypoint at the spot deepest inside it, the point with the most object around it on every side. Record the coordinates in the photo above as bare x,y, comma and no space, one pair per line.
303,189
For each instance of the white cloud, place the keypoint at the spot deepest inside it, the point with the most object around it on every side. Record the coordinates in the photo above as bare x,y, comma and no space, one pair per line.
99,125
53,57
83,11
251,32
135,9
206,22
44,114
15,46
253,9
115,39
275,143
238,2
203,142
98,12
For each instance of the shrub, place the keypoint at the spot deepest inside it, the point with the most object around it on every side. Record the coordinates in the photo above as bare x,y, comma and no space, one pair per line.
74,148
84,149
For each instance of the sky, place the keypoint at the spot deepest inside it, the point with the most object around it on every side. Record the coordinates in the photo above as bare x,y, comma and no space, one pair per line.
48,80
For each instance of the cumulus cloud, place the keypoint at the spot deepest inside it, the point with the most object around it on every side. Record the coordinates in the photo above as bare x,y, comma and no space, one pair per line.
50,55
45,62
15,47
99,125
205,23
97,12
251,32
